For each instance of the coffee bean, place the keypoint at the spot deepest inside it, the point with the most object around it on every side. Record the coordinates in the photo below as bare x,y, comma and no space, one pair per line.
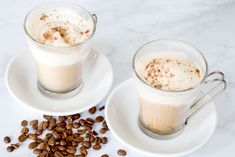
70,119
22,138
96,147
82,122
92,110
33,122
63,143
35,127
94,133
104,155
10,149
47,117
24,130
48,135
70,138
39,140
58,154
81,132
104,140
38,132
69,132
99,118
83,151
62,148
79,139
15,146
69,126
70,155
32,136
33,145
45,125
80,155
76,125
88,127
74,143
52,123
104,124
121,152
7,139
51,141
62,118
56,135
71,149
42,146
37,151
86,144
76,116
101,108
103,130
24,123
60,129
98,140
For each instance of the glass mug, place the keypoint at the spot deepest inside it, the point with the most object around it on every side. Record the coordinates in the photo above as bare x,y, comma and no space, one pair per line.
59,68
162,113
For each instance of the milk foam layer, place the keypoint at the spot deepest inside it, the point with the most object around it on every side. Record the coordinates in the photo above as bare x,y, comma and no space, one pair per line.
59,28
169,71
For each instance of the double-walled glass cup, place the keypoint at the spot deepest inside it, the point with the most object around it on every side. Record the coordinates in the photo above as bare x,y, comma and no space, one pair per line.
162,113
59,68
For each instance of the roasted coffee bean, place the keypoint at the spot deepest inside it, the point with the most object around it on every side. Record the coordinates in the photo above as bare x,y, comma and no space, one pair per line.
76,125
99,118
79,139
71,149
121,152
60,129
45,125
69,132
33,145
104,124
47,117
86,144
70,138
48,135
39,140
82,122
104,155
74,143
91,138
92,110
52,124
58,154
24,123
94,133
22,138
70,155
62,118
104,140
96,147
70,119
80,155
35,127
88,127
33,122
98,140
37,151
76,116
10,149
69,126
7,139
63,143
62,148
101,108
15,146
51,141
32,136
42,146
83,151
81,132
38,132
103,130
56,135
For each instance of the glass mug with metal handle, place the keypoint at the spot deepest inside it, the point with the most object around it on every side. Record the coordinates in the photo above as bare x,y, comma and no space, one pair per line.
58,35
164,113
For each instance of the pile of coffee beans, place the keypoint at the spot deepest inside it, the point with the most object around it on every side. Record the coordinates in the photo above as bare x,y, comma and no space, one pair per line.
63,136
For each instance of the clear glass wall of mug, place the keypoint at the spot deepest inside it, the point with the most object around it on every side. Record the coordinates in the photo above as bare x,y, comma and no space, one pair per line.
171,94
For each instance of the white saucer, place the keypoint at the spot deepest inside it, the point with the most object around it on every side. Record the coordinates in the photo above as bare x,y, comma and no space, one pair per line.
122,118
22,84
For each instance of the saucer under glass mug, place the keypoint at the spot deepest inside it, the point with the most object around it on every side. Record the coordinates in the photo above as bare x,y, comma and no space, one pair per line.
162,118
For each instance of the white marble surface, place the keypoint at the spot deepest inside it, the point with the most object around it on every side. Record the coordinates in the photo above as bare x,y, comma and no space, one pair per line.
123,26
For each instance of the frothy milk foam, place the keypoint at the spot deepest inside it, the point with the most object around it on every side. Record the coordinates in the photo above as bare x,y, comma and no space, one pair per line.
162,112
59,60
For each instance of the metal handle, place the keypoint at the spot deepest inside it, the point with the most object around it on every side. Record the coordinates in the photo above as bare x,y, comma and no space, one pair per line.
209,96
95,17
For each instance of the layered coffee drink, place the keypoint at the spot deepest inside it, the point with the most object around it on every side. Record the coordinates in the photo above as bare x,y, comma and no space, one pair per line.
163,109
57,38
